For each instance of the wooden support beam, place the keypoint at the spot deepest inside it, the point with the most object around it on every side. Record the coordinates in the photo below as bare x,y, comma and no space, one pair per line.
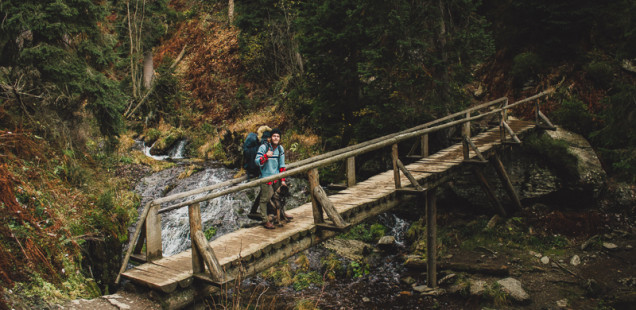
413,149
431,237
396,171
465,150
154,249
474,147
547,121
409,176
489,191
351,171
208,256
312,176
133,240
505,180
328,206
141,241
194,214
511,132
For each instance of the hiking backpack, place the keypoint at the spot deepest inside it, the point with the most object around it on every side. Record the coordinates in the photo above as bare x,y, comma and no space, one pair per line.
250,148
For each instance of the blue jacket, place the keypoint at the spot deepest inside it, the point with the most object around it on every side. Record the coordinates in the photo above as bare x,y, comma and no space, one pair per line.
270,165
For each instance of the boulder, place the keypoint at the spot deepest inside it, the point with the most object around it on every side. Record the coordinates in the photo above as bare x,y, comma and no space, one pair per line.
512,287
536,173
591,173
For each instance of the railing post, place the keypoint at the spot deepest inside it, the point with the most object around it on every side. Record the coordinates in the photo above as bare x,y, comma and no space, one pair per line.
466,135
312,175
536,112
153,234
504,118
194,214
351,171
396,170
424,145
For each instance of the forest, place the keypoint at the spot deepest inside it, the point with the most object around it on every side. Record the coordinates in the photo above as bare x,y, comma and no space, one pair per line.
83,80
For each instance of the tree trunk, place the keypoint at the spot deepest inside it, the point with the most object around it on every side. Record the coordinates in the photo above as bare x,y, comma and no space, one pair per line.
230,11
445,89
148,69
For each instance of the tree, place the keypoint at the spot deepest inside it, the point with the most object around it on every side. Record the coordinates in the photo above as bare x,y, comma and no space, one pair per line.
53,55
145,22
378,66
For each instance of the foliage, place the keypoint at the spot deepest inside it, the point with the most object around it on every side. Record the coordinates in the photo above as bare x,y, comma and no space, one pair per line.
574,115
53,53
526,66
365,232
555,153
210,232
617,139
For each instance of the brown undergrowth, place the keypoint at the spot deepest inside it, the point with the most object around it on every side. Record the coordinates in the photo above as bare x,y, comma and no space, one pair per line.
48,210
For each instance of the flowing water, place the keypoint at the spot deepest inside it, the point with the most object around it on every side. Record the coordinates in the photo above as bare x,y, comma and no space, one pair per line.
223,214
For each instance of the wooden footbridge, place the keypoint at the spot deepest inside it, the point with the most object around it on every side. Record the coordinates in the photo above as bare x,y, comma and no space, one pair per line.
209,265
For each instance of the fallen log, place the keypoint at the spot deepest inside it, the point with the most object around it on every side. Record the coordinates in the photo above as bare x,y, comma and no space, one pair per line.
488,269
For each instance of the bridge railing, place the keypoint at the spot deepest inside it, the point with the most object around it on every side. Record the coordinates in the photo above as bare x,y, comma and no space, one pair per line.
150,219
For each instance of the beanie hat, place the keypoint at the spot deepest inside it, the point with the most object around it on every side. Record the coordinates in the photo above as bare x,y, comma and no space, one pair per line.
276,130
262,130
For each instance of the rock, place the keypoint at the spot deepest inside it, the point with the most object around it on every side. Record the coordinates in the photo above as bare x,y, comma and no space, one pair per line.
629,65
493,221
351,249
386,243
477,287
422,288
447,279
591,174
575,260
458,287
563,303
609,246
587,243
628,247
407,280
592,287
535,254
513,288
366,299
545,260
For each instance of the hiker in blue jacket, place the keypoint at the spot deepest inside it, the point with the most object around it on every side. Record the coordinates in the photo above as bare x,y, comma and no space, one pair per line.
271,159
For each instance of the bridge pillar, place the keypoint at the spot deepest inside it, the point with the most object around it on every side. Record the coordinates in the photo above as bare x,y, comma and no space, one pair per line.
430,199
312,175
396,169
351,171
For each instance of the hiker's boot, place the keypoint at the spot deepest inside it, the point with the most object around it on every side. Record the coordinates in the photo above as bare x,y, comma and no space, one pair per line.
268,225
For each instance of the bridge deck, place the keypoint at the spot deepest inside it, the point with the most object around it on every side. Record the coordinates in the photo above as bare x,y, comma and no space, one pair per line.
245,245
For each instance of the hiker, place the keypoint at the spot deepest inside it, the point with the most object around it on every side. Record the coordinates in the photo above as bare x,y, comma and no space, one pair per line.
263,135
271,158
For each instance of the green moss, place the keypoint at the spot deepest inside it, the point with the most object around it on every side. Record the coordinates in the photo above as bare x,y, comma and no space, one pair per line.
303,280
210,232
151,136
365,232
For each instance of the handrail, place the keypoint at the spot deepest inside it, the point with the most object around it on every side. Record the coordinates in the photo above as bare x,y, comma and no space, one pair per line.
342,156
328,154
